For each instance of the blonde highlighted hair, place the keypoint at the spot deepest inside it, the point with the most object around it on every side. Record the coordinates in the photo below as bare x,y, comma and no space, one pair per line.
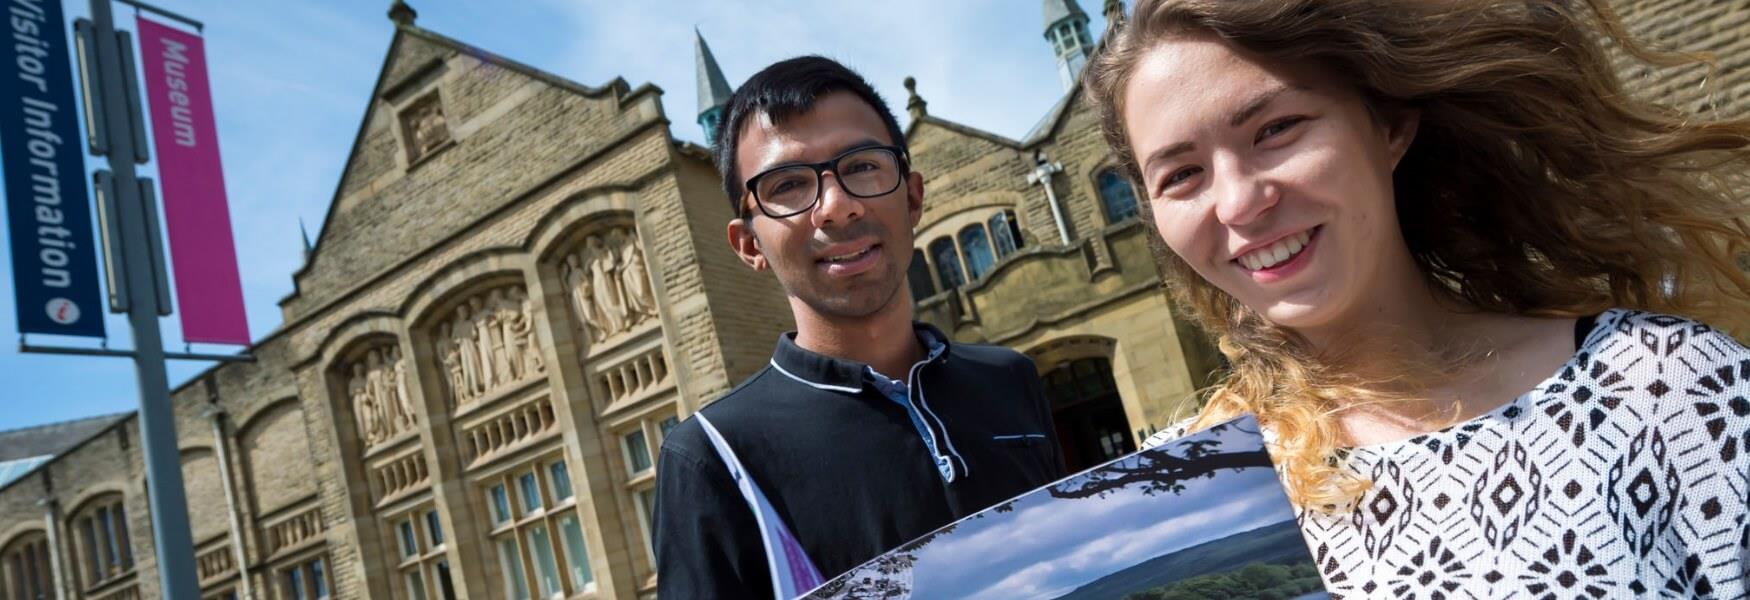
1535,186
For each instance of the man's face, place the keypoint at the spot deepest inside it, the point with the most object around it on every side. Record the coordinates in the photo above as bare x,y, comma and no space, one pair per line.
846,256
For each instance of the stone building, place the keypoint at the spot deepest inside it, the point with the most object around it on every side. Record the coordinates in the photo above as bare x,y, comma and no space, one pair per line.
522,284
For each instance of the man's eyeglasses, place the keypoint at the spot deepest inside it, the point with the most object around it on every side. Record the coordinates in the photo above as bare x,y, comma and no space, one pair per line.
794,189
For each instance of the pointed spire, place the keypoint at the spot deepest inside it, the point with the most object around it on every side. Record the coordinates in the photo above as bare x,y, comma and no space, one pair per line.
713,89
1058,10
401,13
1066,29
913,103
308,249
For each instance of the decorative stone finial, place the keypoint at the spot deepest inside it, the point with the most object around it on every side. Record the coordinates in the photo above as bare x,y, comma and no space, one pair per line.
401,13
1114,14
914,104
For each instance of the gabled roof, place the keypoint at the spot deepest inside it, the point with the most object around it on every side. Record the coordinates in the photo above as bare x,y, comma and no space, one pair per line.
911,130
1048,124
1039,133
403,33
24,450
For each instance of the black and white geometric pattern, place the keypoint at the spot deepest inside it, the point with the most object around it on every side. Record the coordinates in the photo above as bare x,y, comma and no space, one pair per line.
1626,474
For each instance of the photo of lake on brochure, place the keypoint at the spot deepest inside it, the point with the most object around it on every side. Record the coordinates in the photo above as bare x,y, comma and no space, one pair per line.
1203,516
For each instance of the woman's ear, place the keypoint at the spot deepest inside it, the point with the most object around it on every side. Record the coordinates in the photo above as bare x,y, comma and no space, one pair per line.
745,244
1400,132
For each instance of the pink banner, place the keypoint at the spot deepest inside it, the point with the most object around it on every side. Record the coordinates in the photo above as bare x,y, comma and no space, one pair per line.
209,294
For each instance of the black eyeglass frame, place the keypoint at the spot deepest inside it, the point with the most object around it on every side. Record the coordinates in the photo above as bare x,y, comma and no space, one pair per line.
819,168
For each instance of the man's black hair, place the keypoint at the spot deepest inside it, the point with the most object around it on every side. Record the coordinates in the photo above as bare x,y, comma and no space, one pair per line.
785,89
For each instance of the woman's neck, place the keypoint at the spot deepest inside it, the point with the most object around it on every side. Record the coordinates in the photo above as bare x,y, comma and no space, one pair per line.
1444,362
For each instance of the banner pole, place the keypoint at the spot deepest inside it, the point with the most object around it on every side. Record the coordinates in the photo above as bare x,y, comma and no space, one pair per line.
169,505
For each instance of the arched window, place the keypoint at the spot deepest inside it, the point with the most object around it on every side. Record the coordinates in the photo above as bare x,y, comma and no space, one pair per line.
101,529
1116,195
918,275
947,263
24,567
976,244
1005,233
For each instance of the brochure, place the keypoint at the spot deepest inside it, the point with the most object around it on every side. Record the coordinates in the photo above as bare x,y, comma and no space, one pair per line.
1203,516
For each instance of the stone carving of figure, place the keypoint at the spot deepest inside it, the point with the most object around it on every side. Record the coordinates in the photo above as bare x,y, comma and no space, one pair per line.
382,392
364,407
450,356
635,282
482,323
582,297
506,306
398,373
521,331
605,286
502,369
470,353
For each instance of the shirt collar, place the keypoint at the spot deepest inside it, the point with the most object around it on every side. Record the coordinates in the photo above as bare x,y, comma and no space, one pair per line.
843,375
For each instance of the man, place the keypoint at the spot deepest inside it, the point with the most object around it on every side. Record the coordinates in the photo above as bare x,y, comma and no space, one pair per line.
866,430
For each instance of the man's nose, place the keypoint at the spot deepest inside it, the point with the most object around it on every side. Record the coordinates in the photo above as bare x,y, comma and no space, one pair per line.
837,207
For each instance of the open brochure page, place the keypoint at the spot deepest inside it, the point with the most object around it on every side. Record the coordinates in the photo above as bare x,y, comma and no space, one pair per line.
1203,516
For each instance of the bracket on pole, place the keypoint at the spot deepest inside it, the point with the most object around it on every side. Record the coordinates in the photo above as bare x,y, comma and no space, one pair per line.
30,349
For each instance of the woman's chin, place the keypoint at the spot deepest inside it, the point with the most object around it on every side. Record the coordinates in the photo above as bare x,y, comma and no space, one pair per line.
1292,315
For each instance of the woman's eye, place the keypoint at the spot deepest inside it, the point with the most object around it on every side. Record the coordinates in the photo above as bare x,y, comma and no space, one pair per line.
1277,127
1177,177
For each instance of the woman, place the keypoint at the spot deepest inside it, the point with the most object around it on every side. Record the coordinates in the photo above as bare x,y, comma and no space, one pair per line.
1438,243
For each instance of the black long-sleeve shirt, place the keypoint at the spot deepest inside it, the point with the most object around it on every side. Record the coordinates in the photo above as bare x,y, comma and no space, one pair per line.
848,468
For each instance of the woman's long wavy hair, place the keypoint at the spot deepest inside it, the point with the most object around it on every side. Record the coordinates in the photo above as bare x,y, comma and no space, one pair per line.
1536,185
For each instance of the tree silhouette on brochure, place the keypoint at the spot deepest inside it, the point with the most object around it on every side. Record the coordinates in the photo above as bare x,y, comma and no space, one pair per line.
1165,469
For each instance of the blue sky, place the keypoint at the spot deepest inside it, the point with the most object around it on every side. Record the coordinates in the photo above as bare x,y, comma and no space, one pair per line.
291,81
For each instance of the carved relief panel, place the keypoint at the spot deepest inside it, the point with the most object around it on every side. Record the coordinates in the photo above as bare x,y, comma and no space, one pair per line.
376,388
424,127
607,284
488,343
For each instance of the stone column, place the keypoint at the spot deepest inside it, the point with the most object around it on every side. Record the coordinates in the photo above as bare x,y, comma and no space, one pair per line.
52,529
466,545
222,445
585,450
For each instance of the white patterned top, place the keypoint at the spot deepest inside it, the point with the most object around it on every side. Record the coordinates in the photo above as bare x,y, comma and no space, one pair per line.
1626,474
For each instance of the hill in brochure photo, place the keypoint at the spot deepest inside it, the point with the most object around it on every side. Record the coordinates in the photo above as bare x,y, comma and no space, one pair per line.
1200,517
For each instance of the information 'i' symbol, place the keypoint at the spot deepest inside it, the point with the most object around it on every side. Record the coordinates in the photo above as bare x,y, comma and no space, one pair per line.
63,311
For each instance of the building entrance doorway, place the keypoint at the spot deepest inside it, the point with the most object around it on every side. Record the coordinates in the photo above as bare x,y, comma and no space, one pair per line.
1089,416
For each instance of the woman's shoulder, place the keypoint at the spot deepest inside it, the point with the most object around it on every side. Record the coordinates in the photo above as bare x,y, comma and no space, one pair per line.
1656,361
1633,336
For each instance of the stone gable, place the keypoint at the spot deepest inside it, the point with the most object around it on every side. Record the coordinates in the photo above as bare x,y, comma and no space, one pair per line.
391,205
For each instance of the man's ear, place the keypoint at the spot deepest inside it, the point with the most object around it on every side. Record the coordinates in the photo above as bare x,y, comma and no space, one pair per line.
1400,132
914,197
745,244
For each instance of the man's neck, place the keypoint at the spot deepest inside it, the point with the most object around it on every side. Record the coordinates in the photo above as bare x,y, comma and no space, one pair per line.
883,339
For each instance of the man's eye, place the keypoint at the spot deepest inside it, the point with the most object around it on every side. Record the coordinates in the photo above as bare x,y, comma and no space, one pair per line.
859,167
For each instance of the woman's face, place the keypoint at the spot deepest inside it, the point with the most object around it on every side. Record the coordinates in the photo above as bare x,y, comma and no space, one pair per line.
1272,181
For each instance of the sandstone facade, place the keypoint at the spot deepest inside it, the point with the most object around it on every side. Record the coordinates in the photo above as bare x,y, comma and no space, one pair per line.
522,284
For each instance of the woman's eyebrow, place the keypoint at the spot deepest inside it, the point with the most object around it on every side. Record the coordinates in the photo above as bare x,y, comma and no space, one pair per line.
1257,105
